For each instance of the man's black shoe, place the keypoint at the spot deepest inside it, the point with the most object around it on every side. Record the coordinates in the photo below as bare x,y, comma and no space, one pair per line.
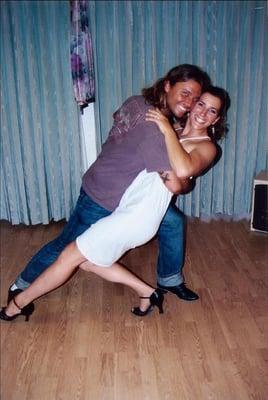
181,291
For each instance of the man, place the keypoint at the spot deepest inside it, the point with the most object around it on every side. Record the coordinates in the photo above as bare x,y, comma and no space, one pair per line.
127,151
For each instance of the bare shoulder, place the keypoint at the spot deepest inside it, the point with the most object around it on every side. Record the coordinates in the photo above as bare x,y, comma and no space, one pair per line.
206,149
206,145
200,146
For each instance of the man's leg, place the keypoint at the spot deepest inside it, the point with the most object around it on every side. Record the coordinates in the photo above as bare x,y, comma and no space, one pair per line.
171,238
85,214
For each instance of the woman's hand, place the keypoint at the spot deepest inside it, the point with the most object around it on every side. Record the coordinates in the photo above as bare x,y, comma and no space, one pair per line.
155,115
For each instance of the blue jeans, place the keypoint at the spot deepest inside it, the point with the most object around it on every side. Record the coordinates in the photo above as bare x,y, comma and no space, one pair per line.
86,213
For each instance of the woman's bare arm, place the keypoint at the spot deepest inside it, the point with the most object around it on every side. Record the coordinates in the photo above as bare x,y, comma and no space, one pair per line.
173,183
184,163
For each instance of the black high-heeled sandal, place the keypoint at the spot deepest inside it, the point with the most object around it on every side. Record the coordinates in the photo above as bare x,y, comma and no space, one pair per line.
25,311
156,299
14,293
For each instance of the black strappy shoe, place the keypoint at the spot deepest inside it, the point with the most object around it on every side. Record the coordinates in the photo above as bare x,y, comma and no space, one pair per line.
25,311
156,299
13,293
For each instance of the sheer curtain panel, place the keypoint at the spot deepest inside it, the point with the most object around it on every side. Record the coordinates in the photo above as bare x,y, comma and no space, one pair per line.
137,42
40,147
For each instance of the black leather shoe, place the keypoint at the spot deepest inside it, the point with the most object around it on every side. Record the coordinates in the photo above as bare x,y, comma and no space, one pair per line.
181,291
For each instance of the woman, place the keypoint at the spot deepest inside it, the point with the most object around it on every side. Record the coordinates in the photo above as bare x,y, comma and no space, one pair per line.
147,198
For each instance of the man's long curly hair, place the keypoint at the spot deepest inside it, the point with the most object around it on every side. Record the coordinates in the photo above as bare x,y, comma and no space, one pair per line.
155,95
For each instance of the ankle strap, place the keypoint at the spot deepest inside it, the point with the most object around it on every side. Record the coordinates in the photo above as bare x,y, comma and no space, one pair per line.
141,297
16,303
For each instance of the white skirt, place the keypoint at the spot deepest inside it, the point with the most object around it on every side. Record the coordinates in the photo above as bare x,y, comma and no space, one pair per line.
134,222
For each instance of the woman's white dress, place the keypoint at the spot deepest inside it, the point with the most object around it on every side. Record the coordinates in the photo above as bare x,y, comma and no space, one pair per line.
134,222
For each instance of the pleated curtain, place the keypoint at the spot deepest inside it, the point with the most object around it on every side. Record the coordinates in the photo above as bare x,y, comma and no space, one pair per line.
137,42
40,125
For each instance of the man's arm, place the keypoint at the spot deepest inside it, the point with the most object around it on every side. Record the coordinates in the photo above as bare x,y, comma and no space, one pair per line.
174,184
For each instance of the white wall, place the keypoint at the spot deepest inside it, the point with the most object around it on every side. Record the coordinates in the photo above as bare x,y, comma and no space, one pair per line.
88,137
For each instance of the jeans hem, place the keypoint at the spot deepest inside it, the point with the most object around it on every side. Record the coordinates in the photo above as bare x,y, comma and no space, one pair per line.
172,280
21,283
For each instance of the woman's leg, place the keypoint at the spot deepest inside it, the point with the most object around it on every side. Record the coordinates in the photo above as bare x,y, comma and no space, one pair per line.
50,279
119,274
86,213
63,268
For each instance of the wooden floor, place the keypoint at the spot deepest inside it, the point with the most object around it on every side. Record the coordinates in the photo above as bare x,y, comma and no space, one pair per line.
83,343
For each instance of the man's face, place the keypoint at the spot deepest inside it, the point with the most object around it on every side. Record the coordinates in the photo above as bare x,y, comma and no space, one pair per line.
182,96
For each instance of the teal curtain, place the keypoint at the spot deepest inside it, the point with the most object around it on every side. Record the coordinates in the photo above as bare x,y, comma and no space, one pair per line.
136,42
40,125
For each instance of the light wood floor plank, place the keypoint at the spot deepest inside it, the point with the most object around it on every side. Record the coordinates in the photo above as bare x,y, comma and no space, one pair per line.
82,343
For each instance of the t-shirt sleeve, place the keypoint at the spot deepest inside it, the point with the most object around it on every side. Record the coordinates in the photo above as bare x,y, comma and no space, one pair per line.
152,148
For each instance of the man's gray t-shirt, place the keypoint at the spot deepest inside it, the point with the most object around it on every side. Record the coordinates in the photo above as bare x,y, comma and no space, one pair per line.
133,145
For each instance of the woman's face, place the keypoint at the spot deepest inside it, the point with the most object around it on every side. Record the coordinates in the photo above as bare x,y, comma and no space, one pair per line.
205,111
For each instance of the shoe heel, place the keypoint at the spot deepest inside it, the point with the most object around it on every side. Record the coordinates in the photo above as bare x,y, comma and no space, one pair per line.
161,311
27,311
157,299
